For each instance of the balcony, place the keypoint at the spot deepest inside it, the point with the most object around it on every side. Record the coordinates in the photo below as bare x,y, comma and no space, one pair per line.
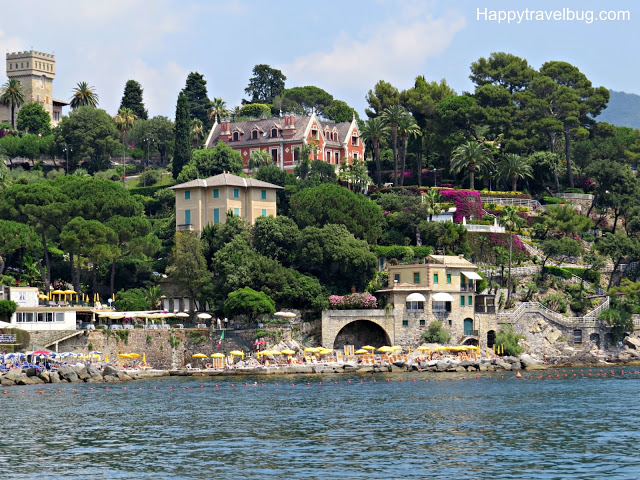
185,227
485,308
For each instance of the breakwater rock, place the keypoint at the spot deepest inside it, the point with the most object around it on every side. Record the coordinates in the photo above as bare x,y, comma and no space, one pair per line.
73,374
524,362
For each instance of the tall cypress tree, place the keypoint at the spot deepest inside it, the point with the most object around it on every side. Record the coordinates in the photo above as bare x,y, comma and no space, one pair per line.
182,149
199,103
132,98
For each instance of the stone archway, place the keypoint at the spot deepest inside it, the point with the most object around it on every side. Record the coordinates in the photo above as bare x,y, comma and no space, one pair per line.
475,341
361,332
491,338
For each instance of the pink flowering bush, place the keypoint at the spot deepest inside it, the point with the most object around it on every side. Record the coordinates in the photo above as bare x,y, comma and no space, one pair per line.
468,203
502,240
353,301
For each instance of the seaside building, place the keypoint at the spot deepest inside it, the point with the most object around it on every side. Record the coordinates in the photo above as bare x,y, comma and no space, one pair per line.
443,288
205,202
281,137
36,72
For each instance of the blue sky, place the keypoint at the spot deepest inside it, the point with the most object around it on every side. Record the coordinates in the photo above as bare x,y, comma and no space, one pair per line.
344,47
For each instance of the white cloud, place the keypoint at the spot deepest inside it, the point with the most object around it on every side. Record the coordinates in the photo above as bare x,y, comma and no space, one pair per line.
9,44
395,52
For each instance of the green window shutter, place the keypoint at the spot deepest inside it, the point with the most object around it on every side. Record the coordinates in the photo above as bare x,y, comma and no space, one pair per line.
187,194
462,300
416,277
236,212
216,215
470,301
187,217
236,193
435,278
448,278
264,194
216,193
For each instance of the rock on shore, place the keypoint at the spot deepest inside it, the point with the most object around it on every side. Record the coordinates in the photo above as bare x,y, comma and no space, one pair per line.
69,374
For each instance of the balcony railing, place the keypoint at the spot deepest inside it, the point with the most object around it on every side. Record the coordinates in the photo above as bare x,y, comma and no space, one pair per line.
185,227
485,309
7,339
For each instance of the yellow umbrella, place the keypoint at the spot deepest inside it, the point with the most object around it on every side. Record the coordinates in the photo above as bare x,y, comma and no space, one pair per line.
237,353
125,355
424,349
134,355
326,351
198,355
144,358
69,292
360,351
217,355
385,349
368,347
286,351
395,348
106,358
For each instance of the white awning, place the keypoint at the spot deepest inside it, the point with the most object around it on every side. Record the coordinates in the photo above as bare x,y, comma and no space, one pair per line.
416,297
472,275
442,297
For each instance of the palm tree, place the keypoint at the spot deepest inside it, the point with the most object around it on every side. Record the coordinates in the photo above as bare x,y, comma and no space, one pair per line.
407,127
124,120
513,167
217,110
259,158
470,156
392,116
432,201
13,97
512,222
84,95
197,132
373,131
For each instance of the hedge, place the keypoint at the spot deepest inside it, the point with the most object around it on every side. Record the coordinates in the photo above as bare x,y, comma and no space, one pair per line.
552,200
590,276
557,271
402,252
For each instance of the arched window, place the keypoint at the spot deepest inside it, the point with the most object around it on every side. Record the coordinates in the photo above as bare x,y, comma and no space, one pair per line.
254,134
236,136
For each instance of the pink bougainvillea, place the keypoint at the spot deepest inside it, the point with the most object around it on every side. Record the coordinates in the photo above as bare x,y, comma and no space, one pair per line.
468,203
502,240
353,301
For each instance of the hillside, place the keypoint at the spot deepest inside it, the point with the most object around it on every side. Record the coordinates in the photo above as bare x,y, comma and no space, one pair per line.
623,110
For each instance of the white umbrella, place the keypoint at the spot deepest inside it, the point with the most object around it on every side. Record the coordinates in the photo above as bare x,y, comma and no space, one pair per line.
181,314
285,314
5,325
116,316
204,316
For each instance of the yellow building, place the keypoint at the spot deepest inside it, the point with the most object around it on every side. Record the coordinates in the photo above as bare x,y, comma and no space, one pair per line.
35,71
205,202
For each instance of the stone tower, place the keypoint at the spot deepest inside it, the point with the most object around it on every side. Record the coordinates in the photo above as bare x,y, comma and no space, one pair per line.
35,71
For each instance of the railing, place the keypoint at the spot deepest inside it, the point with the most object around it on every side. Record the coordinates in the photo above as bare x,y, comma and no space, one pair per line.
590,319
185,227
485,308
515,202
7,338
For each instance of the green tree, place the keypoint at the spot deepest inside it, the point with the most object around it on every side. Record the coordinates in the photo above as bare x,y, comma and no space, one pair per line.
259,158
255,110
512,167
217,110
266,84
93,135
12,96
247,301
374,131
133,299
132,99
393,115
124,121
196,132
407,127
84,96
562,220
340,112
617,247
432,203
579,105
276,238
199,103
213,161
508,340
15,236
302,100
512,223
504,69
30,147
33,118
157,133
328,203
472,157
383,96
182,152
436,333
187,265
560,247
10,146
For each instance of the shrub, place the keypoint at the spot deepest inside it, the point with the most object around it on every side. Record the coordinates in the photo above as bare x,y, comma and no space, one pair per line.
557,271
551,200
7,308
150,177
508,340
573,190
353,301
246,301
436,333
468,203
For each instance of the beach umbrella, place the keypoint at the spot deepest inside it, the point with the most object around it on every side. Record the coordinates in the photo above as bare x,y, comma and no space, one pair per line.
144,358
313,349
181,315
368,347
199,355
106,358
286,351
217,355
285,314
360,351
423,349
125,355
385,349
204,316
326,351
236,353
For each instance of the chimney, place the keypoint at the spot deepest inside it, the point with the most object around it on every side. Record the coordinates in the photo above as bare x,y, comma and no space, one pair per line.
289,129
225,126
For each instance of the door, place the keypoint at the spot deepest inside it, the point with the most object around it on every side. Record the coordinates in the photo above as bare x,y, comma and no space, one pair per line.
468,326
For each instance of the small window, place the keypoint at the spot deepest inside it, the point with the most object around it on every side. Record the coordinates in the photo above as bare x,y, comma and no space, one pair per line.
405,323
462,300
274,132
354,141
254,135
187,217
450,322
216,193
422,323
263,194
470,302
577,336
216,215
187,194
236,212
435,278
337,158
448,279
396,278
416,277
236,136
355,155
264,212
236,193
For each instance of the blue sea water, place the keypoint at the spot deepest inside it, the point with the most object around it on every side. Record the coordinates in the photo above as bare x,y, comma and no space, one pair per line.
436,427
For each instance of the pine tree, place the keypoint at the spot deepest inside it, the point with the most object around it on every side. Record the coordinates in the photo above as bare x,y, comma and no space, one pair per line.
132,98
182,149
199,103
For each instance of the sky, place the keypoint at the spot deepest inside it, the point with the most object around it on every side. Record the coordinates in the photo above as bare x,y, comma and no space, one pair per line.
344,47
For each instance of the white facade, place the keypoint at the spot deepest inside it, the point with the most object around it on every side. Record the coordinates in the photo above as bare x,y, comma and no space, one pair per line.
31,316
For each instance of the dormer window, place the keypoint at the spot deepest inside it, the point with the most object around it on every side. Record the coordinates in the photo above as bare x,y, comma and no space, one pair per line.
254,134
236,136
354,140
274,133
314,133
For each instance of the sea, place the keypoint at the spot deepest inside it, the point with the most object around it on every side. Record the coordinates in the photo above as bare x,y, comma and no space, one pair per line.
556,424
